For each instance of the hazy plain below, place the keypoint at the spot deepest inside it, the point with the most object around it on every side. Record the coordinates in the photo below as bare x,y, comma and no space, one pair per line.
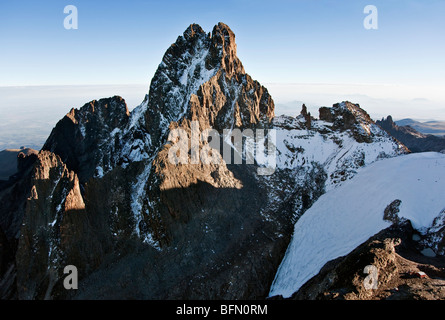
28,113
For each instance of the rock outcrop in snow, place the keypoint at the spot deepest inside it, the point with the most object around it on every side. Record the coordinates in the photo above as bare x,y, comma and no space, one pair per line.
85,139
347,216
414,140
388,266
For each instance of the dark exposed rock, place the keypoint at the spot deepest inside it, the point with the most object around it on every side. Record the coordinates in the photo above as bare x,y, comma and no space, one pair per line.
433,127
411,138
212,242
56,231
391,212
306,116
13,197
396,259
73,215
435,235
25,161
103,195
78,138
211,86
7,272
348,116
11,165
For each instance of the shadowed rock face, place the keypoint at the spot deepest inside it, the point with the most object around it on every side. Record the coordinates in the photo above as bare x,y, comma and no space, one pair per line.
201,78
10,163
13,196
103,190
397,260
348,116
82,136
56,230
414,140
103,195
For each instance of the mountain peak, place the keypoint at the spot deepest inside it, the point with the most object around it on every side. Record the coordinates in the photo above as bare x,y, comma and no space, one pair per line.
389,122
389,119
192,31
192,61
223,39
349,116
223,32
79,136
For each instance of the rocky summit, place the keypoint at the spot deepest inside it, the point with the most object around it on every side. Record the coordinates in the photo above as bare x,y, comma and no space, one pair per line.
104,196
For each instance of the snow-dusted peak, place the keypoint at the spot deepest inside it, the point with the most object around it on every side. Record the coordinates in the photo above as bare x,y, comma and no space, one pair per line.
83,137
193,30
344,141
348,116
192,61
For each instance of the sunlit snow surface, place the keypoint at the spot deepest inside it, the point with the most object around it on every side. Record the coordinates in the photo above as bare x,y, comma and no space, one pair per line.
347,216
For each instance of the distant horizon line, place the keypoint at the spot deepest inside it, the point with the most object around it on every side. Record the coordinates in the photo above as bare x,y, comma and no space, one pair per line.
268,83
284,95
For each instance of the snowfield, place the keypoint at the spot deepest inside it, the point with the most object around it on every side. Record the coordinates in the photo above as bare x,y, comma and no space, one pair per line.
345,217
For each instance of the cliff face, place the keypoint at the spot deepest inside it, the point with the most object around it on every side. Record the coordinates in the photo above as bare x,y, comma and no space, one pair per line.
56,231
202,222
85,138
414,140
401,271
104,194
348,116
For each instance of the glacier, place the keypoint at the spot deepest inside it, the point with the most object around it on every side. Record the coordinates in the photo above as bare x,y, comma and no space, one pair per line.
346,216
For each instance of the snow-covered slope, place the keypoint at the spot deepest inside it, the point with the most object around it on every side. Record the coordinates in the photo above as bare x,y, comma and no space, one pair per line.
347,216
319,156
337,152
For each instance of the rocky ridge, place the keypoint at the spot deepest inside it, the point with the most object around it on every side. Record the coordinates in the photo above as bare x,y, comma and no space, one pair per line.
402,272
414,140
102,194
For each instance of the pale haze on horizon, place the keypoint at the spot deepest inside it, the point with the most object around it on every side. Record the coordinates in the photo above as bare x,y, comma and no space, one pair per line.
312,52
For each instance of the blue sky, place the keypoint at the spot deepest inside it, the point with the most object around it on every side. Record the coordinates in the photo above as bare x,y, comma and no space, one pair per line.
299,41
312,51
